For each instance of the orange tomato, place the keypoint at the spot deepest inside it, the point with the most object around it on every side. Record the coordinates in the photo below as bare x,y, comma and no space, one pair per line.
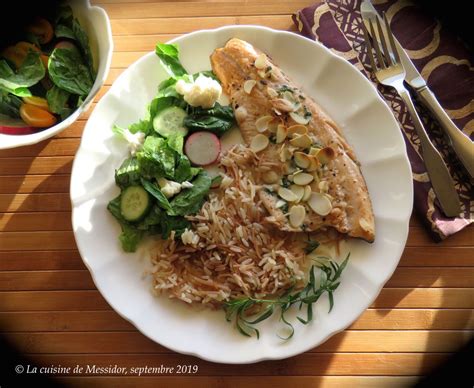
42,29
40,102
17,53
36,117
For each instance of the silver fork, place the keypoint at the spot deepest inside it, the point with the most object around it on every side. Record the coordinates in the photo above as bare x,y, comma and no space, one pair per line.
390,72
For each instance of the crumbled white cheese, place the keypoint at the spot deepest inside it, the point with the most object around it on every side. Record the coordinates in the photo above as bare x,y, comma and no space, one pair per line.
203,91
135,140
186,185
169,188
188,237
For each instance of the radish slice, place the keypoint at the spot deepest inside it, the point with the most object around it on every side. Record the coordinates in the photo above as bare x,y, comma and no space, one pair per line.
202,148
18,130
11,126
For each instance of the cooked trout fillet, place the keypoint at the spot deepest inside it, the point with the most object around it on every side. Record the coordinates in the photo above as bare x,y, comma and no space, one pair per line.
313,179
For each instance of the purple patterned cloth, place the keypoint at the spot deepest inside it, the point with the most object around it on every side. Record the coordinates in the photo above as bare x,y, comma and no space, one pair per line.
440,58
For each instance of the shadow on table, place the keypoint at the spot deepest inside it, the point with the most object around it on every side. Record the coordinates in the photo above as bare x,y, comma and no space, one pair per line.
456,360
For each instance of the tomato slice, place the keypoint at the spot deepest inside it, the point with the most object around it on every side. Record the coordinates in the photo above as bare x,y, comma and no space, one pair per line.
42,29
36,117
40,102
17,53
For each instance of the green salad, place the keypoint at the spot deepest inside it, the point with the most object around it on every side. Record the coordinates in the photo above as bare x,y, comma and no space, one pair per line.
162,180
45,76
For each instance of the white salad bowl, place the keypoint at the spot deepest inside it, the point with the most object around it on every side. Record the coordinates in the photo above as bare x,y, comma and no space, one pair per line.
367,123
96,23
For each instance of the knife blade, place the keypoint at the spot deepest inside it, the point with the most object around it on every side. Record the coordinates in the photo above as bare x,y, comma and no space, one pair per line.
462,145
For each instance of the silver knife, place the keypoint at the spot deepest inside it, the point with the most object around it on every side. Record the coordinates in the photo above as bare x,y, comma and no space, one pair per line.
462,145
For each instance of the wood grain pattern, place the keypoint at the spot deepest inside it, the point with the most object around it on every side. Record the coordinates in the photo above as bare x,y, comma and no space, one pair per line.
51,310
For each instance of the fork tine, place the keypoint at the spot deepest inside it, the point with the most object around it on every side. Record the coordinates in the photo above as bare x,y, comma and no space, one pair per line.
383,41
369,48
390,38
376,46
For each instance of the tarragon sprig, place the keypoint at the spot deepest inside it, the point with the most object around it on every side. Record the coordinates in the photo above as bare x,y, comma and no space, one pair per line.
238,310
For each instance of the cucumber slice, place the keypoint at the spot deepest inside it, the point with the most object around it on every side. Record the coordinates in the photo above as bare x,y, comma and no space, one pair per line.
170,120
134,203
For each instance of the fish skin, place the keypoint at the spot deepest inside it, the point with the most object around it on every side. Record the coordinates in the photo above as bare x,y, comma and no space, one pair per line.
233,64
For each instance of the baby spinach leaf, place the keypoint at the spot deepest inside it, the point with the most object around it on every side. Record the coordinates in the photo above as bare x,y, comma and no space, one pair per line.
189,201
169,57
170,223
57,101
81,36
184,171
62,31
30,72
156,192
68,71
10,104
218,119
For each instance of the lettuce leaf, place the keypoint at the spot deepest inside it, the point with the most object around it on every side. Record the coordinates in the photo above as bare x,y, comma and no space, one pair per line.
169,57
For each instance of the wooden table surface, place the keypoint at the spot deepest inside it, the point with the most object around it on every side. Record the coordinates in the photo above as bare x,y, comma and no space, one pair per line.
51,311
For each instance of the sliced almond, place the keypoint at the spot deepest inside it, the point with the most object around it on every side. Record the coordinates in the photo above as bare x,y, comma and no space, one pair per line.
272,93
302,178
298,191
301,159
299,118
270,177
326,155
273,125
297,215
320,204
314,150
366,225
262,123
301,141
282,105
262,73
259,143
323,186
248,85
287,194
261,62
313,163
280,203
281,133
297,130
307,193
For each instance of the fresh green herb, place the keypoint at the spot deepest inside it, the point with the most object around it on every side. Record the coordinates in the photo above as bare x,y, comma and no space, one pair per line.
272,139
10,105
67,71
218,119
30,72
239,309
285,88
285,182
169,57
285,208
57,101
311,245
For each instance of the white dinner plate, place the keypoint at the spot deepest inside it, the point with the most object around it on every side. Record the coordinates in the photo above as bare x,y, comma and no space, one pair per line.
367,123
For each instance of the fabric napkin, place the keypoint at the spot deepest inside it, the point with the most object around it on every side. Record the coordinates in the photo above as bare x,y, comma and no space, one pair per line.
441,59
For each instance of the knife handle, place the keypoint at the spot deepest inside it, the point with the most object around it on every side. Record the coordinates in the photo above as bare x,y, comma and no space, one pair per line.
441,180
462,145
